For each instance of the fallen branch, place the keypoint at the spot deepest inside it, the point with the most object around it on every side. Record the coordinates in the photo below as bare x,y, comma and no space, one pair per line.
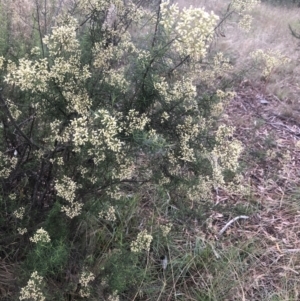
291,250
231,222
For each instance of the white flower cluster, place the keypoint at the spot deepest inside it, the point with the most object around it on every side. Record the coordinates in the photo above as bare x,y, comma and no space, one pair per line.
243,8
105,138
56,133
202,191
109,214
217,68
94,5
142,242
104,56
114,193
12,196
36,75
125,168
14,111
2,60
29,75
116,78
225,96
77,98
73,209
79,128
135,122
85,279
40,236
163,88
225,154
183,89
192,29
22,230
228,149
245,22
187,132
7,164
35,51
63,35
66,188
166,229
62,67
32,291
19,213
113,297
269,60
164,117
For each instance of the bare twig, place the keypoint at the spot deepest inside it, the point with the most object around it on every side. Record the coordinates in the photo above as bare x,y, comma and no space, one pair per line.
39,27
290,250
231,222
45,17
30,141
156,25
179,64
294,33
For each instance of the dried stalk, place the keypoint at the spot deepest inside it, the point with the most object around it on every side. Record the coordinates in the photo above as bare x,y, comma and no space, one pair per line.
231,222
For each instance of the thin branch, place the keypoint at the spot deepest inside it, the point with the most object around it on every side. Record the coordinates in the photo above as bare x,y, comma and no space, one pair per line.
179,64
156,24
290,250
16,126
45,17
294,34
223,20
37,184
39,27
231,222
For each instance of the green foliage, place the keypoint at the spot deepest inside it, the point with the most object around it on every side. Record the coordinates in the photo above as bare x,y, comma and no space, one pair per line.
56,224
48,259
4,32
123,271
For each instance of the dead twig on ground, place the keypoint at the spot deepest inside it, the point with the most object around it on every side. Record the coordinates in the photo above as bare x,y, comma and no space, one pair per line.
231,222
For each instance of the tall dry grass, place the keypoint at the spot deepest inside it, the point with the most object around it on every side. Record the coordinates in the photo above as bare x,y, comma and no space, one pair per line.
270,30
25,19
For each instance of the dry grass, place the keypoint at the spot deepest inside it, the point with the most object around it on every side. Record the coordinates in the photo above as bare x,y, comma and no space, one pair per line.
22,18
272,273
216,5
7,278
270,30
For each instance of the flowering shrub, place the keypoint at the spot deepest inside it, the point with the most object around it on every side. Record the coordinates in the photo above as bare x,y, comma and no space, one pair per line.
142,242
40,236
32,291
243,8
84,280
268,61
98,114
